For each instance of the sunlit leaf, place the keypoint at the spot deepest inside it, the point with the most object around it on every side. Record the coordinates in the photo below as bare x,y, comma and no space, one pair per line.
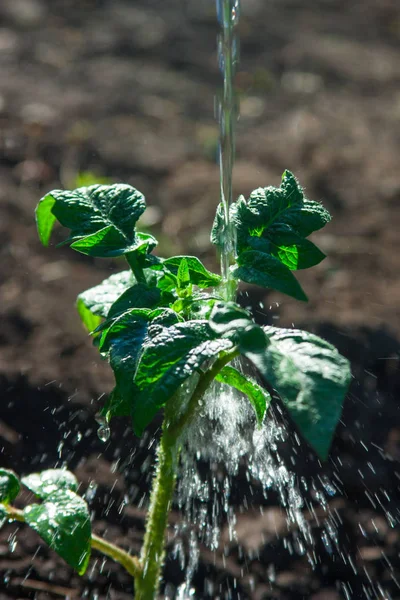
63,522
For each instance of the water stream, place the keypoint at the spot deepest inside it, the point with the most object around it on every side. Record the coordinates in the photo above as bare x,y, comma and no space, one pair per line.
227,109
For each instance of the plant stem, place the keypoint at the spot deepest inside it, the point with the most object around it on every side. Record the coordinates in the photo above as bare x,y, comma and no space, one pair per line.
153,551
136,268
130,563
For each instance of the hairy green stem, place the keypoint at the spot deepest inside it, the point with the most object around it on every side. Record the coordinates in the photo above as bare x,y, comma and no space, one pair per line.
153,551
130,563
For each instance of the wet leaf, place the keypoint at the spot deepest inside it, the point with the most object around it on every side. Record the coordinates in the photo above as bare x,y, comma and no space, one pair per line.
9,486
47,482
311,377
258,397
218,229
230,320
63,522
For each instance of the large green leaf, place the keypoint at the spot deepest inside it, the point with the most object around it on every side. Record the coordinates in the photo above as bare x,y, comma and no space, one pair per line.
311,378
100,298
259,398
265,270
47,482
63,522
101,218
170,356
198,274
9,486
124,341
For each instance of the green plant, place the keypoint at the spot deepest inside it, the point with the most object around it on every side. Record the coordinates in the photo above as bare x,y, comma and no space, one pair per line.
160,329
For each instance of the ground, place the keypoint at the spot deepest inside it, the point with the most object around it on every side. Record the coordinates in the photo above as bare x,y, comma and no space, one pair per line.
125,90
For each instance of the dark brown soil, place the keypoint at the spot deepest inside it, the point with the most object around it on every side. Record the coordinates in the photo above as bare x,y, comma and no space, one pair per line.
125,89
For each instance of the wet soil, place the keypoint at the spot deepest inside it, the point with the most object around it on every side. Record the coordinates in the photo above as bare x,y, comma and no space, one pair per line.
125,90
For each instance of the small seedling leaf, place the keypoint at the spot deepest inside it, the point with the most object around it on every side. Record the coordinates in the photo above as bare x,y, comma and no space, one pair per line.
198,273
265,270
48,482
311,377
183,276
63,522
258,397
9,486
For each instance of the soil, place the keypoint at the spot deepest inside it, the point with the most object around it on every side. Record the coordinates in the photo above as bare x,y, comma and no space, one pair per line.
125,90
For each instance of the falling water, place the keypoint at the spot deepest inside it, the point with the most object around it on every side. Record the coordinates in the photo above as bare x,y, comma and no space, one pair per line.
228,12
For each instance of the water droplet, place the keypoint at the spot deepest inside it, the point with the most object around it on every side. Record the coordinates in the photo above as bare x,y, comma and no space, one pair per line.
103,433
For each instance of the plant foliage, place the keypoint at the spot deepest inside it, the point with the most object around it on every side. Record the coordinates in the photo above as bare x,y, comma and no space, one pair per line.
158,327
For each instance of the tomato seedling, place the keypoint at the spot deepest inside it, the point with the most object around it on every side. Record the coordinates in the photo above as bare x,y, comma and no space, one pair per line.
159,327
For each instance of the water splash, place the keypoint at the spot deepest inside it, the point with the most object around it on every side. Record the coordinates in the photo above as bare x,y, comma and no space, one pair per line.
216,444
228,13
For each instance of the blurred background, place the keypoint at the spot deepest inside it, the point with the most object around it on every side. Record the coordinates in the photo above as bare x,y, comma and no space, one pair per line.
107,91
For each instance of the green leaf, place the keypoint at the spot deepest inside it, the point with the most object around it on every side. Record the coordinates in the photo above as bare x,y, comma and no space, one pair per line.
9,486
270,208
199,275
230,320
100,298
258,397
105,243
291,249
218,229
265,270
63,522
170,356
45,219
125,341
183,276
311,378
89,320
271,227
137,296
101,218
47,482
